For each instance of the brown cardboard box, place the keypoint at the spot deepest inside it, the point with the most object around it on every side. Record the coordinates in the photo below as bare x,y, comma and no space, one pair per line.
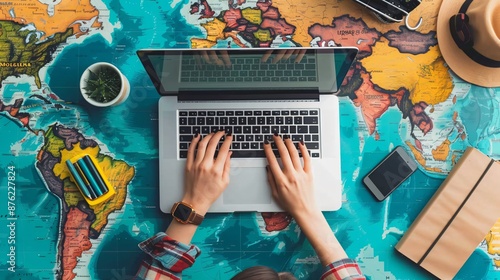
457,218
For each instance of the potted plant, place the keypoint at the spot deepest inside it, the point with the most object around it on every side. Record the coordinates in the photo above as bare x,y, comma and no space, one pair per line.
102,85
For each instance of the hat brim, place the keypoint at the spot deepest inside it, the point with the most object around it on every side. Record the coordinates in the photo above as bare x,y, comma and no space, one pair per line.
457,60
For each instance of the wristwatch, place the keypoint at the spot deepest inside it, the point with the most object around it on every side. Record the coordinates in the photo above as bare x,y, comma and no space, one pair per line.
185,214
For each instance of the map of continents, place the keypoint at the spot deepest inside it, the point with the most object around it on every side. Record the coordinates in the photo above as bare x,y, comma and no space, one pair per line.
438,115
415,79
30,34
375,83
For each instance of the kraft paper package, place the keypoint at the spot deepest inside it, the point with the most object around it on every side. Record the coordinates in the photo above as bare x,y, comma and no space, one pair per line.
457,218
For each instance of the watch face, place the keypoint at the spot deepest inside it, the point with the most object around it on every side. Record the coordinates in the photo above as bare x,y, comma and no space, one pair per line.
182,212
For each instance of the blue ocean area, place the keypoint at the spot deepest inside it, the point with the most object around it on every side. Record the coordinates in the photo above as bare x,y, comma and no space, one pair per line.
32,203
128,131
10,89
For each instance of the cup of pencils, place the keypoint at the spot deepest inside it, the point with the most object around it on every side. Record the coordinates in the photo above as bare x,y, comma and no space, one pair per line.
88,177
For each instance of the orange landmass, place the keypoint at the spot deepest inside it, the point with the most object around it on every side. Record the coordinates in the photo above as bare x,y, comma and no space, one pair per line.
13,112
347,31
231,16
66,13
119,175
442,151
279,26
236,39
372,102
207,12
39,155
271,12
453,159
201,43
215,32
434,169
264,5
416,154
25,120
493,241
276,221
76,240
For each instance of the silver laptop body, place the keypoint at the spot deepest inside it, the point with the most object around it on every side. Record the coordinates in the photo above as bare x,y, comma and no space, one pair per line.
203,93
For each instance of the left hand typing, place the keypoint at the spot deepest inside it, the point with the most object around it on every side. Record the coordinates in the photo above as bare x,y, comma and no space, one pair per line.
205,177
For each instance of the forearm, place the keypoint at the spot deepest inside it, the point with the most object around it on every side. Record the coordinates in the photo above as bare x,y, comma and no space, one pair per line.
171,252
181,232
323,240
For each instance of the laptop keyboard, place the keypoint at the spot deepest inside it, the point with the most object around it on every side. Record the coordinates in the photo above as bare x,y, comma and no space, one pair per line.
250,127
250,69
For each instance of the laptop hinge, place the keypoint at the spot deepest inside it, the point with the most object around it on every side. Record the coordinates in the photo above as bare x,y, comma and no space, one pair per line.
249,95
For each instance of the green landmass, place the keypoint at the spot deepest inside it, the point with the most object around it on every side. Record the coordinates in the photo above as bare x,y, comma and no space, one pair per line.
252,15
53,144
21,53
263,35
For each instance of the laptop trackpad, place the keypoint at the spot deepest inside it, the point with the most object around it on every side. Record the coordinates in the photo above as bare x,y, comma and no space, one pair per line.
247,185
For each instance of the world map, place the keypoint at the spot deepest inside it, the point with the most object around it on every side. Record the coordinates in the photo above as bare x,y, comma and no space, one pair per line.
398,92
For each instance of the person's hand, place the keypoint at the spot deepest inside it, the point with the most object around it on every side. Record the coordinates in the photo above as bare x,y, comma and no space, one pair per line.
291,185
211,57
221,57
292,188
206,177
284,55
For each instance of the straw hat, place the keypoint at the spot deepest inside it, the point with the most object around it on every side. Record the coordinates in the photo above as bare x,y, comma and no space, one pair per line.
468,34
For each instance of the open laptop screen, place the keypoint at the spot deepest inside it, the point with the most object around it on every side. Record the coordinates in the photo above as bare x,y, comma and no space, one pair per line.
174,71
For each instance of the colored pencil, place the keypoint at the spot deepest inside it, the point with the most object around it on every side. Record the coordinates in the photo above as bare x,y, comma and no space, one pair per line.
97,175
79,181
90,178
87,183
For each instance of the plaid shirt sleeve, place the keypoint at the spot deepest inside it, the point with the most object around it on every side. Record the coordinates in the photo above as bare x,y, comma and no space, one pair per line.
168,258
345,269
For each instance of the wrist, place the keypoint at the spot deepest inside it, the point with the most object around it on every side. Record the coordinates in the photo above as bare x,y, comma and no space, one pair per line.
181,232
306,215
317,230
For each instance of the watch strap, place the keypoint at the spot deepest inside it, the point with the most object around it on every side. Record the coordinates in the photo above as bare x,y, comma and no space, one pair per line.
197,219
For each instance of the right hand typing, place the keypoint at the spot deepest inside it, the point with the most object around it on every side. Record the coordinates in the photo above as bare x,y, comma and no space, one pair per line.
291,185
292,188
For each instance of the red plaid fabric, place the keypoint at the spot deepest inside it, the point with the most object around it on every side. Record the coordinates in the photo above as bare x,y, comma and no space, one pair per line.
345,269
170,257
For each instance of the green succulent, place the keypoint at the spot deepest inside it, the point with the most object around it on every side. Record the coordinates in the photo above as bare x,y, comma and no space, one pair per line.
103,85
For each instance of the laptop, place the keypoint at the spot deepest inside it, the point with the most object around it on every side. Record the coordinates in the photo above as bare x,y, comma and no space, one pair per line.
252,93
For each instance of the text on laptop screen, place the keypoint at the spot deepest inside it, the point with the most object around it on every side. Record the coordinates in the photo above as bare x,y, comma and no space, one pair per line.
175,71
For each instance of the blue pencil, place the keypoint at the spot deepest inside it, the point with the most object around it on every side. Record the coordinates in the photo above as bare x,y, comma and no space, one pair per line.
78,179
97,176
85,181
90,178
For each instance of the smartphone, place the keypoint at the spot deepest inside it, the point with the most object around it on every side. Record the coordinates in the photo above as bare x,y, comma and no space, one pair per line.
390,173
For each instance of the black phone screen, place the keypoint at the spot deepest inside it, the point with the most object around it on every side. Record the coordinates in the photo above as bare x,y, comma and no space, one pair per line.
391,172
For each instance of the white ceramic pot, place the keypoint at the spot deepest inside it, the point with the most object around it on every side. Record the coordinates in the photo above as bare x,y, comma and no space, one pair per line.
122,95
